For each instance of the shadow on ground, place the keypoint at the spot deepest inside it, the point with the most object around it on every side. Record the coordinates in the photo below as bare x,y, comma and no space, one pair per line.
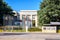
4,34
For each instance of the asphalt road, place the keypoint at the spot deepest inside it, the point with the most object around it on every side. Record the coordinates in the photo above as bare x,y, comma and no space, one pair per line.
30,36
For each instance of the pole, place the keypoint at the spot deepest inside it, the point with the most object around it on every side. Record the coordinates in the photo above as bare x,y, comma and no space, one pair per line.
26,27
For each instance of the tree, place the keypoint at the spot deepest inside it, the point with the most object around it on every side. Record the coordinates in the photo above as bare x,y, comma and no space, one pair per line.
4,10
49,12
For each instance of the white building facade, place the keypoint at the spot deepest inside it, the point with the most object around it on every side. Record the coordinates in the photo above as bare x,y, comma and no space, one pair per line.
30,16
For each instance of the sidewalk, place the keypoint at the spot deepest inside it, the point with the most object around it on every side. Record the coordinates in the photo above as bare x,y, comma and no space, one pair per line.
17,33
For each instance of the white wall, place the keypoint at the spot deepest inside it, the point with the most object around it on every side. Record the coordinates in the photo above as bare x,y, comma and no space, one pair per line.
29,12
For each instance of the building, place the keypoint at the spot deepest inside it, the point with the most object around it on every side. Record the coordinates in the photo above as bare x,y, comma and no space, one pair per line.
21,17
30,16
7,20
11,20
16,19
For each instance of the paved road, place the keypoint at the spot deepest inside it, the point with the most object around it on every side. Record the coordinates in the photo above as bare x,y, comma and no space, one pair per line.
30,36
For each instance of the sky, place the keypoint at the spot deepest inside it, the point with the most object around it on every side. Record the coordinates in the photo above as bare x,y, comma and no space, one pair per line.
18,5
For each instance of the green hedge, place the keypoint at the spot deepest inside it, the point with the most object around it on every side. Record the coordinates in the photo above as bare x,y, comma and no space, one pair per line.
34,29
58,31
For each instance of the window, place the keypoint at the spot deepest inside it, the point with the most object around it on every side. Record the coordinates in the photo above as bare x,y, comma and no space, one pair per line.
23,20
23,17
28,17
33,17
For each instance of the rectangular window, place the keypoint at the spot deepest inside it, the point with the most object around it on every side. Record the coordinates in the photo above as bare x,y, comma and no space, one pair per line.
23,20
33,17
28,17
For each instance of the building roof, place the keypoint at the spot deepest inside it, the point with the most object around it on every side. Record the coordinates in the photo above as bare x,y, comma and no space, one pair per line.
28,10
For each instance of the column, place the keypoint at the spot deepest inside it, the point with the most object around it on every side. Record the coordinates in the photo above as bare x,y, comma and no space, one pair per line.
36,21
31,20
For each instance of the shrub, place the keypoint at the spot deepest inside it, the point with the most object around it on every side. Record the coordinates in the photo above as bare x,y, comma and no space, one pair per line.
34,29
58,31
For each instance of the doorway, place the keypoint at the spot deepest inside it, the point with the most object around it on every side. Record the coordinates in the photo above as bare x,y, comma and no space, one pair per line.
33,23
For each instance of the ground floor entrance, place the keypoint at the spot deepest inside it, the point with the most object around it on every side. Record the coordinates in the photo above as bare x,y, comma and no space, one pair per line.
33,23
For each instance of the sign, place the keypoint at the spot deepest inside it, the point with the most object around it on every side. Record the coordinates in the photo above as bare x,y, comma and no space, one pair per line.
49,29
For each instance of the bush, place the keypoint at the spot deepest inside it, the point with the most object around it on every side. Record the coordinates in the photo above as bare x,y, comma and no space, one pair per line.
17,28
58,31
34,29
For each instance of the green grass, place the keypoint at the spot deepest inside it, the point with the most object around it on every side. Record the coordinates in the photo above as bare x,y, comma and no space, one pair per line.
18,30
58,31
1,30
12,31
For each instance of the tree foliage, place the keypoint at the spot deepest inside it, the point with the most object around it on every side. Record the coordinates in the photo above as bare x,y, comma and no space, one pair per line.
49,12
4,10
